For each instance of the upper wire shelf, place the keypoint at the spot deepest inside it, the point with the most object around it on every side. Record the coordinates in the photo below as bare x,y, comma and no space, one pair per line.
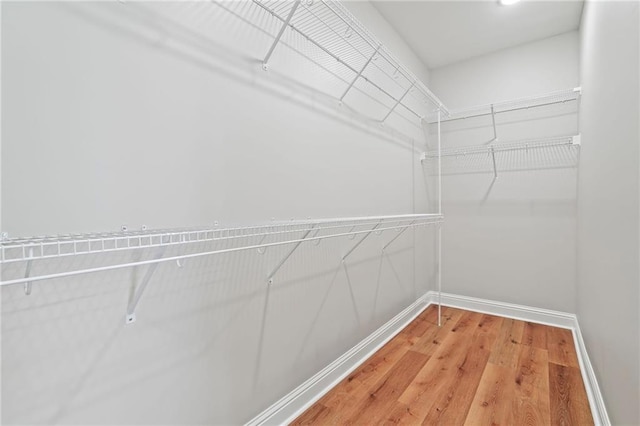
544,153
529,144
334,34
542,100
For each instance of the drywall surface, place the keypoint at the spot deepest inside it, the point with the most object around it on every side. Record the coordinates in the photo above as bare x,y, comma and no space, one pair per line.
511,238
160,114
608,214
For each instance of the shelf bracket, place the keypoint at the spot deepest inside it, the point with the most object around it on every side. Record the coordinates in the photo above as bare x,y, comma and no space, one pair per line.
360,72
492,151
493,120
284,259
262,250
27,273
398,102
285,24
361,241
131,308
397,236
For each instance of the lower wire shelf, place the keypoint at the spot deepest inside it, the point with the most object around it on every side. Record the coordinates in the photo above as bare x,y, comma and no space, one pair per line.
531,154
19,257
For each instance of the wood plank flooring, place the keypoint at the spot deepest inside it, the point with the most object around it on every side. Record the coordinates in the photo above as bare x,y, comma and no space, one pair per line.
476,369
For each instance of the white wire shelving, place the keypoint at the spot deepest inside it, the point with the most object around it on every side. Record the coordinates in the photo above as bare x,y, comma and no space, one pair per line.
29,250
529,144
512,105
327,33
363,72
559,151
200,241
57,246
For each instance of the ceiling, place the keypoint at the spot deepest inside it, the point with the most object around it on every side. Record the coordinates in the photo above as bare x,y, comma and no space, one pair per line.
448,31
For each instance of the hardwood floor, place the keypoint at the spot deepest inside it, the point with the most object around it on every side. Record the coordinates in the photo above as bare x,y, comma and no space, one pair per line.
476,369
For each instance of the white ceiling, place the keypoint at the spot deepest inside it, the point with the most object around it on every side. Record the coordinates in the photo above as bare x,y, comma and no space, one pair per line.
448,31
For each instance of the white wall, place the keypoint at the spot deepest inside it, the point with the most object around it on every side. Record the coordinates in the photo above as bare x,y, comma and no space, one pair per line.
608,290
114,115
370,16
512,239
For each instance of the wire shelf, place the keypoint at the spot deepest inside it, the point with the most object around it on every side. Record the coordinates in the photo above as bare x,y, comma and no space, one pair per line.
335,39
528,144
542,100
531,154
31,249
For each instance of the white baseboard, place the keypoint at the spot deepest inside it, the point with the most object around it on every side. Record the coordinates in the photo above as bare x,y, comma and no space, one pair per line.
509,310
293,404
596,402
297,401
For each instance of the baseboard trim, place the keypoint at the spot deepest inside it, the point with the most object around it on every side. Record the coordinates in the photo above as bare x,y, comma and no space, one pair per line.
509,310
297,401
598,409
293,404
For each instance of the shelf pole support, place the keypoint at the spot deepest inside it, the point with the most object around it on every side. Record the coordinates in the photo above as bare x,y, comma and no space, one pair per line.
360,72
492,151
439,163
355,246
131,308
285,24
284,259
398,102
439,274
439,224
397,236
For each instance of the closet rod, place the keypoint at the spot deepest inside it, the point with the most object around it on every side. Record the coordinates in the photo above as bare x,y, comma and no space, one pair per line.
426,221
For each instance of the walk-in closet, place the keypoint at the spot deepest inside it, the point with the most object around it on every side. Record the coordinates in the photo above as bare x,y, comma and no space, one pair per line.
320,212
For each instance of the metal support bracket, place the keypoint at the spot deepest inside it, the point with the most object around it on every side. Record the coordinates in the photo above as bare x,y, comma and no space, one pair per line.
398,102
397,236
284,259
285,24
355,246
493,120
360,72
27,272
492,151
131,308
262,250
